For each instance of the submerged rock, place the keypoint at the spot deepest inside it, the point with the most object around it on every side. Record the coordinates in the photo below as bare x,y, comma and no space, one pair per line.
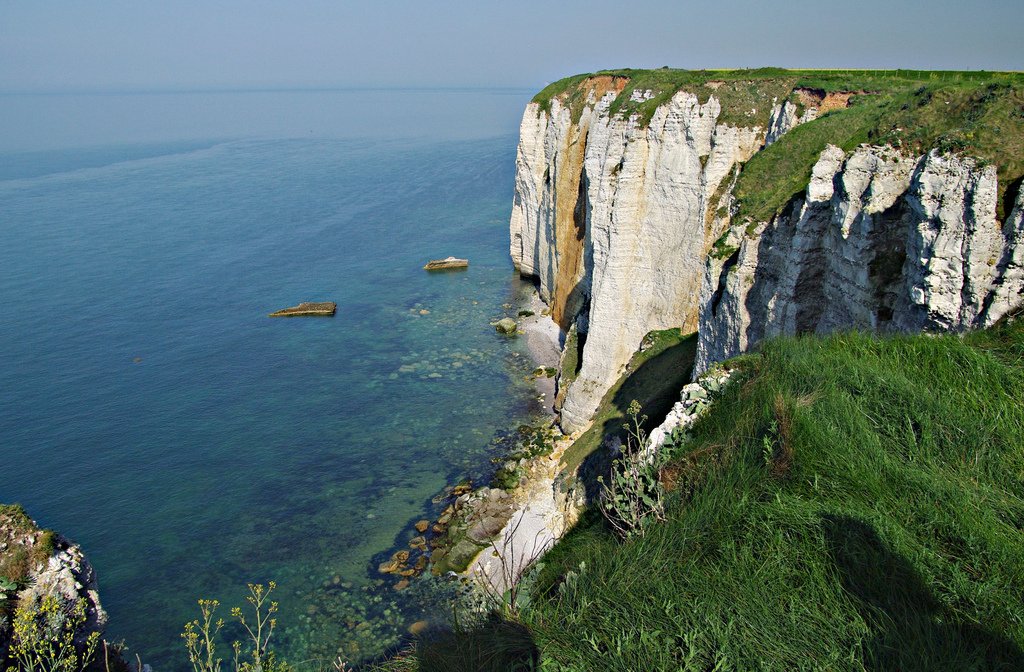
388,567
506,325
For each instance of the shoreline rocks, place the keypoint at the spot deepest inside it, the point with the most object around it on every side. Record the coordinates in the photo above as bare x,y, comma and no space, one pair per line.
507,326
474,519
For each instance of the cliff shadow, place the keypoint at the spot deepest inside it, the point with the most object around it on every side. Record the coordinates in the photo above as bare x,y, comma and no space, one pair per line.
768,274
654,379
910,625
495,645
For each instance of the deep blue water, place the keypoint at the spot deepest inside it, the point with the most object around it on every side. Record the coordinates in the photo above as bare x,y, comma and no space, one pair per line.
153,413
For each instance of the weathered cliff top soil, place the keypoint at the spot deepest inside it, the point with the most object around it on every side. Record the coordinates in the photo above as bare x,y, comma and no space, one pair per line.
308,309
664,82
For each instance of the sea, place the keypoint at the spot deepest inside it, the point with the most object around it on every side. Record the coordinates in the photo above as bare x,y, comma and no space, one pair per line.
152,412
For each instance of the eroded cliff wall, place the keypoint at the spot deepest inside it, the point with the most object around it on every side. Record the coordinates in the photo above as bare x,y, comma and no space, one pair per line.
629,222
610,217
879,242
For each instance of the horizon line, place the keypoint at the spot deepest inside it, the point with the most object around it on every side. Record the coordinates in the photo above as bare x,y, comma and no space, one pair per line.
129,90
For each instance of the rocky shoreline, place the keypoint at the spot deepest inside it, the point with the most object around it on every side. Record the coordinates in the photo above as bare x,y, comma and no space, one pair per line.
549,500
37,563
543,340
474,517
536,511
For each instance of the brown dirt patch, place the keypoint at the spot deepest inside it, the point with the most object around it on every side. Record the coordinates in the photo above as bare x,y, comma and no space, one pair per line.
836,100
602,84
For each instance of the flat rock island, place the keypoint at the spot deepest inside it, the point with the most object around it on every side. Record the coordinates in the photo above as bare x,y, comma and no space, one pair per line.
308,309
446,264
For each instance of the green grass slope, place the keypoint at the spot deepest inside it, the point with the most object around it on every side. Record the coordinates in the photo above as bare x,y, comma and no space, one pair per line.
851,503
983,120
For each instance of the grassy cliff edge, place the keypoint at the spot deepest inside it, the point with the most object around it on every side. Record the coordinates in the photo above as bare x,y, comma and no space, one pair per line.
975,113
854,502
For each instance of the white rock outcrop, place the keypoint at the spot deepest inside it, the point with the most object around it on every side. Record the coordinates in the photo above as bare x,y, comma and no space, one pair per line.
40,564
694,400
611,218
786,116
878,242
68,576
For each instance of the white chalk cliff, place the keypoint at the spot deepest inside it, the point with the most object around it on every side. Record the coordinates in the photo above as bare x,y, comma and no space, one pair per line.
879,242
610,216
618,220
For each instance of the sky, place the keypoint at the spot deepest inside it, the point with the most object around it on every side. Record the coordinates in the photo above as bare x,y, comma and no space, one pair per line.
203,44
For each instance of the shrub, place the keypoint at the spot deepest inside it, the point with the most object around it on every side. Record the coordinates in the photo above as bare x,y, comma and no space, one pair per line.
43,638
200,635
631,499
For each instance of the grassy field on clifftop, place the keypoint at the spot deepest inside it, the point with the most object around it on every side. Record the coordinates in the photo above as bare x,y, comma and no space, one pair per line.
983,120
852,503
974,113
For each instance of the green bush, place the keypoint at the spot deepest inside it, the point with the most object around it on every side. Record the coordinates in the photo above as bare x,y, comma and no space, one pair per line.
47,637
632,499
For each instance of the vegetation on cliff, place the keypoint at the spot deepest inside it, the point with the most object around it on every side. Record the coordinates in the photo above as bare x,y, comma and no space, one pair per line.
975,113
982,119
853,503
23,545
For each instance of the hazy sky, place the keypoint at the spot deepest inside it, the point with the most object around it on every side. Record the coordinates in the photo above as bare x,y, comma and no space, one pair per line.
144,44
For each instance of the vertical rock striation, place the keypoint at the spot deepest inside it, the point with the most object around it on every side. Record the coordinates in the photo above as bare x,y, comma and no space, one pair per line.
611,217
626,225
879,242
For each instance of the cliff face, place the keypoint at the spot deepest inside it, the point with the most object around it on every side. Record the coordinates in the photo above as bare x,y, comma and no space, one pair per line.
878,242
626,220
610,216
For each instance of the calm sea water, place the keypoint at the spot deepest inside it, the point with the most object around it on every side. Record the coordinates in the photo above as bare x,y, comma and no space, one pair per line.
153,413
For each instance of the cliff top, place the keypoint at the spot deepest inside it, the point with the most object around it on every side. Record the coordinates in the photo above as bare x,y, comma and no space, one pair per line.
974,113
733,87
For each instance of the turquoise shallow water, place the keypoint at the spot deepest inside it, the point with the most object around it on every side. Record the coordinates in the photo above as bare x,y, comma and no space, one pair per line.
153,413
